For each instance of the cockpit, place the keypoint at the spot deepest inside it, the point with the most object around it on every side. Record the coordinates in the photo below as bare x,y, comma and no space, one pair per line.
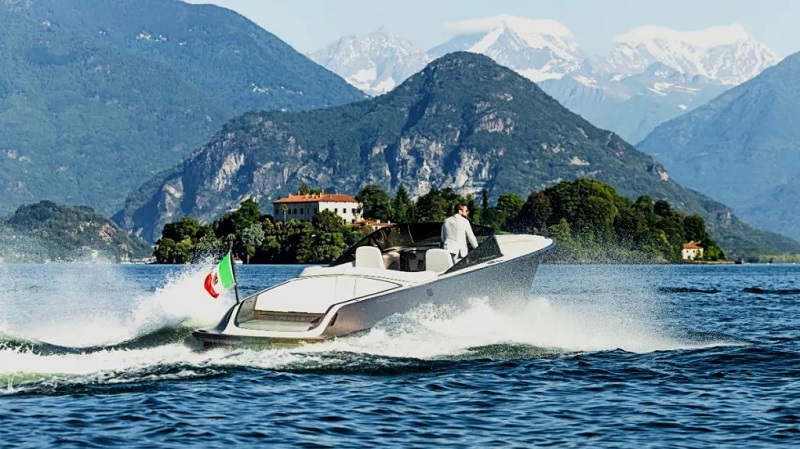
412,247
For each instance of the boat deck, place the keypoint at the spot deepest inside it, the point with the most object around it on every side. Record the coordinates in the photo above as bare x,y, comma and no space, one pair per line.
515,245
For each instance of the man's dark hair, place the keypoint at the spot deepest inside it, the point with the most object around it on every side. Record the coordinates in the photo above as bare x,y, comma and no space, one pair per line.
459,206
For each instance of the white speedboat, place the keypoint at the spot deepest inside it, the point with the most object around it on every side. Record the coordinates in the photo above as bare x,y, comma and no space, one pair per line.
391,271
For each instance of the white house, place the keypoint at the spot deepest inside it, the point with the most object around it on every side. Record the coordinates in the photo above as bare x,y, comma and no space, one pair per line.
305,207
691,250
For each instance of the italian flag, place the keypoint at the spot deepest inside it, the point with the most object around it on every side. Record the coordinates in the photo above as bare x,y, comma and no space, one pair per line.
221,277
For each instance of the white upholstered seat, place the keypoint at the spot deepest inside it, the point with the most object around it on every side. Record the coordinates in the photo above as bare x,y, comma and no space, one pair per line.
369,257
438,260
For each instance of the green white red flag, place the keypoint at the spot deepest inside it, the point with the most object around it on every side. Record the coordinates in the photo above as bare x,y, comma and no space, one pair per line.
221,277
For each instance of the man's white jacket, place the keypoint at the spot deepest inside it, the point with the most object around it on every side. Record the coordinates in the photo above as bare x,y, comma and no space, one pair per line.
455,233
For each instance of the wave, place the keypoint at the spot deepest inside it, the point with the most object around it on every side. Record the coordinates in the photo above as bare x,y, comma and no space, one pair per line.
687,290
126,336
160,337
429,337
711,291
772,291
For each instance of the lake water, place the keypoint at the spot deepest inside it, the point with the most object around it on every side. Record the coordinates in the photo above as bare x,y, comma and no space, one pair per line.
687,356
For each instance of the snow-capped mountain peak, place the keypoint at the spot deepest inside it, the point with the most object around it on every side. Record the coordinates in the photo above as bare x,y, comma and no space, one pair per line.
535,33
706,38
725,54
538,49
375,63
651,75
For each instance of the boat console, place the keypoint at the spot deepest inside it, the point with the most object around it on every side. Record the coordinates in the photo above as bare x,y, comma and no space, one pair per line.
408,247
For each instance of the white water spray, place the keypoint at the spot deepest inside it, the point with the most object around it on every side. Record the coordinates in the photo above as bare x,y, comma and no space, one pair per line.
85,305
68,311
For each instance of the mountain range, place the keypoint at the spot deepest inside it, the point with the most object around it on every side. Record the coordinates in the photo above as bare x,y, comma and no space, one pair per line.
742,148
651,75
463,122
97,93
206,108
376,64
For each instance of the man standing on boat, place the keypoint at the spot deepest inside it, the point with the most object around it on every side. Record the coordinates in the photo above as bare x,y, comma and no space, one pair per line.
456,231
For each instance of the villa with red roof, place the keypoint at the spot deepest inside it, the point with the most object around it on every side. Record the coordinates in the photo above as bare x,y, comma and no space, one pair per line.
305,207
691,250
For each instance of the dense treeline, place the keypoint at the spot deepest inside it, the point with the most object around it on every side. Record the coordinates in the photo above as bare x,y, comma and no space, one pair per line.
588,219
591,222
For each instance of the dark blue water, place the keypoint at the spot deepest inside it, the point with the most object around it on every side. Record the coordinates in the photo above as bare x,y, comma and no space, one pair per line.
604,356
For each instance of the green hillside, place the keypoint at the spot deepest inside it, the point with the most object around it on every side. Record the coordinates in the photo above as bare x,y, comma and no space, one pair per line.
47,232
742,148
97,96
464,122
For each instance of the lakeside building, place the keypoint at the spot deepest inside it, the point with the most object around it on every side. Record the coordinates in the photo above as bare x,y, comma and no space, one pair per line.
305,207
375,224
691,250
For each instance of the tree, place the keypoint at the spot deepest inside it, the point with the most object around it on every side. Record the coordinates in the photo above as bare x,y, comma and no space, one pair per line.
630,227
186,227
252,237
324,241
321,247
178,242
233,223
293,243
694,228
328,221
164,250
508,207
484,201
475,211
270,248
437,205
645,203
534,215
540,210
207,246
402,207
375,203
595,218
662,208
561,232
169,251
509,204
304,189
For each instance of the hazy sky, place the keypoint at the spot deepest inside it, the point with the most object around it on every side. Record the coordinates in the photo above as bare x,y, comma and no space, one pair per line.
310,25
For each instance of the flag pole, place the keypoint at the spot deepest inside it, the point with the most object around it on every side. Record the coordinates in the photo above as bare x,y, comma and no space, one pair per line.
233,270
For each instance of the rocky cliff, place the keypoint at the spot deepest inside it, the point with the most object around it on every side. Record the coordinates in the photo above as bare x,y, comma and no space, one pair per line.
463,122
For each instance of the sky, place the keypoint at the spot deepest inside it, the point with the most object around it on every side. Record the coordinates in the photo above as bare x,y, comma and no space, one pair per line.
310,25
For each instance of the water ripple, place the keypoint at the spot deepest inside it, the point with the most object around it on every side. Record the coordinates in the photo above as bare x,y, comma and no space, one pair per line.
662,356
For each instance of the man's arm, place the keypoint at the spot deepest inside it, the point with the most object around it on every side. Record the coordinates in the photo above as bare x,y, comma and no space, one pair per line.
473,242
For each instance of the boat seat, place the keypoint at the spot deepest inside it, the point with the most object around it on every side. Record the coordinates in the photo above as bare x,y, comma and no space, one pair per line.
391,259
438,260
369,257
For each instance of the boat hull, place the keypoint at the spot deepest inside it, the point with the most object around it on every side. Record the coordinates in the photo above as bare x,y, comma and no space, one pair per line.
503,283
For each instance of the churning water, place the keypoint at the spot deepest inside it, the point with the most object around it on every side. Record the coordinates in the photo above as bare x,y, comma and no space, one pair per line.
602,356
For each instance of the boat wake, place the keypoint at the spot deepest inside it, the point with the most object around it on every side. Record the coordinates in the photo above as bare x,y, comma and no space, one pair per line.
542,329
130,335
